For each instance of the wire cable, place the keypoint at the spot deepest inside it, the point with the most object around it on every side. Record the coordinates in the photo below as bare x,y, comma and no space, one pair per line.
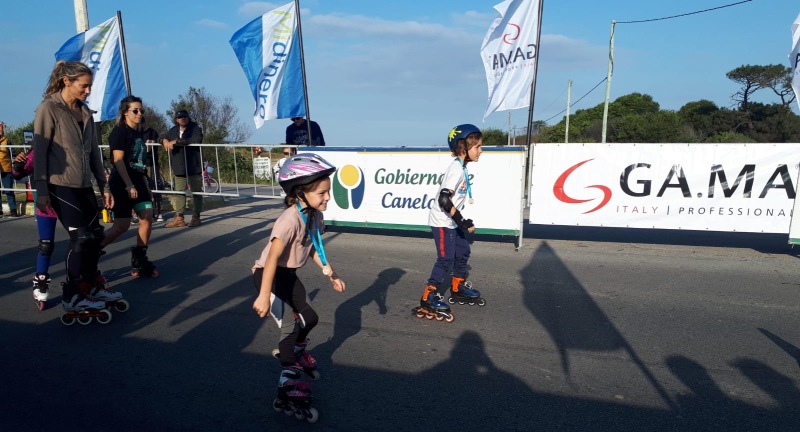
685,14
579,99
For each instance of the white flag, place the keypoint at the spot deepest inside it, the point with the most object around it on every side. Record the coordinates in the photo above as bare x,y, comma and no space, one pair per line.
509,53
99,48
794,59
268,48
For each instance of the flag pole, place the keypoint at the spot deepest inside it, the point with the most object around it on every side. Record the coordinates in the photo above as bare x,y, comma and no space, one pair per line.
123,53
303,70
81,16
535,73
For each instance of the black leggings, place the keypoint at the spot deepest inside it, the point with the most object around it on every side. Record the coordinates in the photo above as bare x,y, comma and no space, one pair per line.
78,211
298,315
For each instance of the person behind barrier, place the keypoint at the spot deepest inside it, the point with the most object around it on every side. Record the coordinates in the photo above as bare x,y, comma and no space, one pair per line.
68,156
5,173
297,133
46,224
129,185
186,162
154,178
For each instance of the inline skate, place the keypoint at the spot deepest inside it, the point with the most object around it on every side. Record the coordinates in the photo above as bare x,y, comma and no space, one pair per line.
101,291
81,308
294,395
41,286
303,358
461,292
142,266
432,306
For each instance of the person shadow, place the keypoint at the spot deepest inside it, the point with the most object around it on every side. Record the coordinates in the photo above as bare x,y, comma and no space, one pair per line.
348,318
707,407
787,347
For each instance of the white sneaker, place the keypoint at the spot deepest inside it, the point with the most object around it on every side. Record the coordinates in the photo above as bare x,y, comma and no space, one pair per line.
40,296
81,303
160,218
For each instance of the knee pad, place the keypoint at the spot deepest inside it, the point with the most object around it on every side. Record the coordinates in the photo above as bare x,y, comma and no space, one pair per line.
46,247
144,205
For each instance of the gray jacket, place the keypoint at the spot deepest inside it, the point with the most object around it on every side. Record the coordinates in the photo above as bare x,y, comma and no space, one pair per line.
65,154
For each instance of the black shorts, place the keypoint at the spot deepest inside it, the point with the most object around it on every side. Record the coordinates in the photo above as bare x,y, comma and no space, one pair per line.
123,204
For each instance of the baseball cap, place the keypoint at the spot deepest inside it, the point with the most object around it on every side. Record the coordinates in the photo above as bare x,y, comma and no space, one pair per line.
181,113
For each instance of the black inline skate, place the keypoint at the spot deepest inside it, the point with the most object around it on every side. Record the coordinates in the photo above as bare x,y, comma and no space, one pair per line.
294,395
81,308
432,306
461,292
41,286
142,266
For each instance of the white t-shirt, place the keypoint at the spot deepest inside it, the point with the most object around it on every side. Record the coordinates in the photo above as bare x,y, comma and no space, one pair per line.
454,180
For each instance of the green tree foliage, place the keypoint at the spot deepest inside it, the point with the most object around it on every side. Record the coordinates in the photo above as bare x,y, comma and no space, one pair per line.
14,133
217,116
752,78
637,118
494,137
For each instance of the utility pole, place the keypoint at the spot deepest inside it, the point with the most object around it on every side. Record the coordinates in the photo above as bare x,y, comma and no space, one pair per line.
569,92
81,16
608,79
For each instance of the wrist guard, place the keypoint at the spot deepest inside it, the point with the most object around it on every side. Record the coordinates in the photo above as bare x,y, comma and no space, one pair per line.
464,224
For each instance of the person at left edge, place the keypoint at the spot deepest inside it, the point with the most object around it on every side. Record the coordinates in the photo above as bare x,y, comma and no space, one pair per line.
6,176
129,185
67,159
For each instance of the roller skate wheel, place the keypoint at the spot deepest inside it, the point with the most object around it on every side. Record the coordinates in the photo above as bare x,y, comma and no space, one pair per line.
439,317
104,317
450,318
84,319
156,273
315,375
482,302
122,305
451,300
429,316
276,353
277,405
135,273
288,410
313,415
67,319
41,304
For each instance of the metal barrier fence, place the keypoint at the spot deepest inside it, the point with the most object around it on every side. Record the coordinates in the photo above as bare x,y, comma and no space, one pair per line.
229,170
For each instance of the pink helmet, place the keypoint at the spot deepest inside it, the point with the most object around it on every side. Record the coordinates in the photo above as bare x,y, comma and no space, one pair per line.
303,168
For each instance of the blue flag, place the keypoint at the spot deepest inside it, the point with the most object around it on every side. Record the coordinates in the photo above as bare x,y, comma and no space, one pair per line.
99,48
268,48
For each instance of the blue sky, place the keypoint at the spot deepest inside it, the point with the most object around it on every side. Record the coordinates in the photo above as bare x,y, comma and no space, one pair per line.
394,73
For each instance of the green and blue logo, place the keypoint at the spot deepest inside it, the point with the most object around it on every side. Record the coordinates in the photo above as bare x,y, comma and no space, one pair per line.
348,187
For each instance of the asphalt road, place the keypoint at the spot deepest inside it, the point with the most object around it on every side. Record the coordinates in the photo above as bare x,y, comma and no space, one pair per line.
584,329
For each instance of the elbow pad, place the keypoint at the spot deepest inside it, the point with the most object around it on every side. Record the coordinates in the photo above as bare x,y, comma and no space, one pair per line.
445,203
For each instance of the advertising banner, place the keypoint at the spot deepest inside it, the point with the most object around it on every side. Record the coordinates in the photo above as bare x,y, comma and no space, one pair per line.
396,187
714,187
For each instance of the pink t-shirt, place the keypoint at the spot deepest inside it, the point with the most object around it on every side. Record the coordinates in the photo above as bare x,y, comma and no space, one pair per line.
291,229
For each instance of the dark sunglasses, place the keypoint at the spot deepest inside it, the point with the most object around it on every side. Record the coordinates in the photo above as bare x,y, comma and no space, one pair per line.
136,111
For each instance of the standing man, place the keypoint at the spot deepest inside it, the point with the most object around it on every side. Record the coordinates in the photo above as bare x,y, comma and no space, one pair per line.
185,161
297,133
5,168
